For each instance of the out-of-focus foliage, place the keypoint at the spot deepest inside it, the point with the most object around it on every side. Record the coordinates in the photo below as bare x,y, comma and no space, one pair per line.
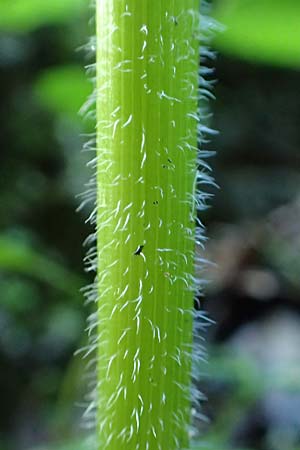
42,86
71,445
18,257
64,82
260,30
27,15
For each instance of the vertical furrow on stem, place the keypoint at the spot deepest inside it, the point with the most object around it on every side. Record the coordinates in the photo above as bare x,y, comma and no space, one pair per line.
152,129
147,84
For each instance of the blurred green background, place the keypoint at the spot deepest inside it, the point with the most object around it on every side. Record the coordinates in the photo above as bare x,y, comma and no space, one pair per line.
252,381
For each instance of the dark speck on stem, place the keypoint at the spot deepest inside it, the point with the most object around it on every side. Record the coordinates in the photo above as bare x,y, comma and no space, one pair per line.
139,250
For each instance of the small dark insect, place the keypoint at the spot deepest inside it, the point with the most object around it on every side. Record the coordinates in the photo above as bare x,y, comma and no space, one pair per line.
139,250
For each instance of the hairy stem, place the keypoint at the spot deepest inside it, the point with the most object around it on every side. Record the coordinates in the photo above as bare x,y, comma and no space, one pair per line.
147,98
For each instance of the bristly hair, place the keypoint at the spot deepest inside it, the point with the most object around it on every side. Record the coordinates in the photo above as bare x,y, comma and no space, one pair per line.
186,354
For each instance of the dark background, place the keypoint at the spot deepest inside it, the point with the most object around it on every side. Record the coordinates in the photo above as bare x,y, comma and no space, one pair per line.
252,380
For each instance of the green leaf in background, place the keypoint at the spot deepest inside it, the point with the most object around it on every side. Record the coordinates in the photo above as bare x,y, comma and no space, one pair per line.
27,15
266,31
71,445
17,256
63,89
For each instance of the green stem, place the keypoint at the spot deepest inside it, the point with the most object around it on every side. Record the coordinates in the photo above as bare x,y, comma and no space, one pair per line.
147,98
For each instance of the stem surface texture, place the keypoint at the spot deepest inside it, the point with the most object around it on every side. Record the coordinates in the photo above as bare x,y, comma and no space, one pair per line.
147,75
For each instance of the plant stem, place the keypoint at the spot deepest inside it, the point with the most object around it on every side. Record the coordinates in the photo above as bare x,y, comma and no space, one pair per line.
147,99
